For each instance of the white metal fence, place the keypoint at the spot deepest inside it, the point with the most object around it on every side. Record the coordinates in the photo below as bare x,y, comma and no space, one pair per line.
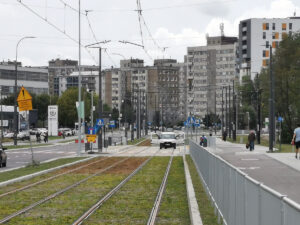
239,199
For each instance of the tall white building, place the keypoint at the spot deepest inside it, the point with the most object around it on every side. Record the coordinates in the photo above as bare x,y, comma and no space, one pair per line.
209,68
255,35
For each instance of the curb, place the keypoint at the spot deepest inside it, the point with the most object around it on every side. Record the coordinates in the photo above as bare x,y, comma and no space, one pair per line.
192,201
26,177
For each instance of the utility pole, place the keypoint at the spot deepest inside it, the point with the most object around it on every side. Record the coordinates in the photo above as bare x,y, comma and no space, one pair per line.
229,112
234,113
271,106
222,119
258,92
79,81
146,114
226,110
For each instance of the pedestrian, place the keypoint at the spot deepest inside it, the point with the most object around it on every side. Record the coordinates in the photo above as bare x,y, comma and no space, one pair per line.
63,135
251,139
38,137
224,135
296,139
46,137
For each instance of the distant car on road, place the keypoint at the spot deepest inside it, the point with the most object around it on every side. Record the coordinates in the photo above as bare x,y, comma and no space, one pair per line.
3,157
9,135
67,131
167,139
23,135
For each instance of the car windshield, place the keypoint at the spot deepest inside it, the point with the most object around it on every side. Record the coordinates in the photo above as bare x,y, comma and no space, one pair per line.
168,136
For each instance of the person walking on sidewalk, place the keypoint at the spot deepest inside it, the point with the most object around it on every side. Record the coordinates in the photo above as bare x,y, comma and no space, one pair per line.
296,139
251,139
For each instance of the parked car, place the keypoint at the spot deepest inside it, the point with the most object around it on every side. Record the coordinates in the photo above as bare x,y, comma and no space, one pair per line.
23,135
167,139
9,135
67,131
3,157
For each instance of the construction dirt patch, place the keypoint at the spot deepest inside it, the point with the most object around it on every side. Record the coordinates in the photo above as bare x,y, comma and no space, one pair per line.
127,166
147,142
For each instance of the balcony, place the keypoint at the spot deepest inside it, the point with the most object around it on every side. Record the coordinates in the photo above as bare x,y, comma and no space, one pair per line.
244,29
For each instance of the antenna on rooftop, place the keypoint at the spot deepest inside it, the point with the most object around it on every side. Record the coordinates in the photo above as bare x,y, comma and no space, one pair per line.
295,13
222,29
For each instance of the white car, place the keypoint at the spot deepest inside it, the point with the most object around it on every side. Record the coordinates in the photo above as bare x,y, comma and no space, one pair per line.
167,139
9,135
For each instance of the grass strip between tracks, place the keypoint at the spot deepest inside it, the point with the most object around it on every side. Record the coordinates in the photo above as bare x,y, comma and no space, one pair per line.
67,207
174,207
206,210
134,202
4,176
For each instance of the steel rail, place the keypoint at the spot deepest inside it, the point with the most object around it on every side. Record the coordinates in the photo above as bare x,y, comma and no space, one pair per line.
58,175
26,209
154,211
92,209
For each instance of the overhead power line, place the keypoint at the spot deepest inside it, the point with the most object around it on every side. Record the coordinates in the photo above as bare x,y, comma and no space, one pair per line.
54,26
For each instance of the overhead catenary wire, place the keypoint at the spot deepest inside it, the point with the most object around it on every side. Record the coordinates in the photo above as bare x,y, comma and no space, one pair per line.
54,26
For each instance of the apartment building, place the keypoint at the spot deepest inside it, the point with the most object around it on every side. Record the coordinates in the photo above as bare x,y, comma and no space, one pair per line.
34,79
255,37
209,68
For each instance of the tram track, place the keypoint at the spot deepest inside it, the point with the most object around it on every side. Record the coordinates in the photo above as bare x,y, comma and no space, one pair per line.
35,204
155,209
61,174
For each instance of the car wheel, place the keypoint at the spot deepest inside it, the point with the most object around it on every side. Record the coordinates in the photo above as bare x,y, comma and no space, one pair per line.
160,146
4,164
174,146
165,147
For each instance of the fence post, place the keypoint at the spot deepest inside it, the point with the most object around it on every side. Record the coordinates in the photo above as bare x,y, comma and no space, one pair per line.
259,204
282,210
245,199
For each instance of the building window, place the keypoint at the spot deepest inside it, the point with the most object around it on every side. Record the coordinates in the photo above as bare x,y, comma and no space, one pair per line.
264,35
265,53
284,26
267,44
265,26
275,35
290,26
273,26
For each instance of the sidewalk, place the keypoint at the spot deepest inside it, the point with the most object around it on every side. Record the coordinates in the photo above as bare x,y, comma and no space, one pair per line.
279,171
285,158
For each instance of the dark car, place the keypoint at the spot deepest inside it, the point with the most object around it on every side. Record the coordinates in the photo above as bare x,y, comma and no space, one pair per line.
3,157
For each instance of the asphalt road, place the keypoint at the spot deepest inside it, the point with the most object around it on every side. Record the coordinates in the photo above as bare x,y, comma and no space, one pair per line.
22,157
265,169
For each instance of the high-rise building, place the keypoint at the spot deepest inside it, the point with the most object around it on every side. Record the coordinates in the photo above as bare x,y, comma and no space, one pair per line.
209,68
255,37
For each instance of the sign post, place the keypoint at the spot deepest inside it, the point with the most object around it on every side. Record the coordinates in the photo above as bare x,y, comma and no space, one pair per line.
25,104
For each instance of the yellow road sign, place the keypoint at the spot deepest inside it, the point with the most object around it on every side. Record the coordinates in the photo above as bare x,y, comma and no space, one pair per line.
25,105
24,95
91,137
24,100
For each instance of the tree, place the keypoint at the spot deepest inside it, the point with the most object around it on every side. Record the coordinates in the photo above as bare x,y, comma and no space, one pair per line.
286,71
127,111
67,112
115,114
41,103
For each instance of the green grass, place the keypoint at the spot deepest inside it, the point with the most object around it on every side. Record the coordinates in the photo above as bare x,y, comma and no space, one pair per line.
264,141
33,169
54,137
174,207
206,210
135,141
134,202
66,208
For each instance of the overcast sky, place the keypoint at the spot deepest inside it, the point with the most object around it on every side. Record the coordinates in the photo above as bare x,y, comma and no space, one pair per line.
173,26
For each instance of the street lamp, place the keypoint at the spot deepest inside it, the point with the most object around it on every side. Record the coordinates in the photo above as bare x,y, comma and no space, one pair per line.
15,91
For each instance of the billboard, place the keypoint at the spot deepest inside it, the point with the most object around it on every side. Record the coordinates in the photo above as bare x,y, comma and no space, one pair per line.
53,120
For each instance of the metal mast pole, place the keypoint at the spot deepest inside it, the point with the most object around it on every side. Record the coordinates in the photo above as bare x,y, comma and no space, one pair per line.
226,111
271,105
79,82
234,113
1,114
229,112
222,119
100,141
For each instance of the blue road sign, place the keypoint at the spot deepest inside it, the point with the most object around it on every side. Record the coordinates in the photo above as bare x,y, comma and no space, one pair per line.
100,122
149,123
280,119
112,124
91,130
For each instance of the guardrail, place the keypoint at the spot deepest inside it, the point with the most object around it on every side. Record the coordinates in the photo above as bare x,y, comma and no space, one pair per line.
237,198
